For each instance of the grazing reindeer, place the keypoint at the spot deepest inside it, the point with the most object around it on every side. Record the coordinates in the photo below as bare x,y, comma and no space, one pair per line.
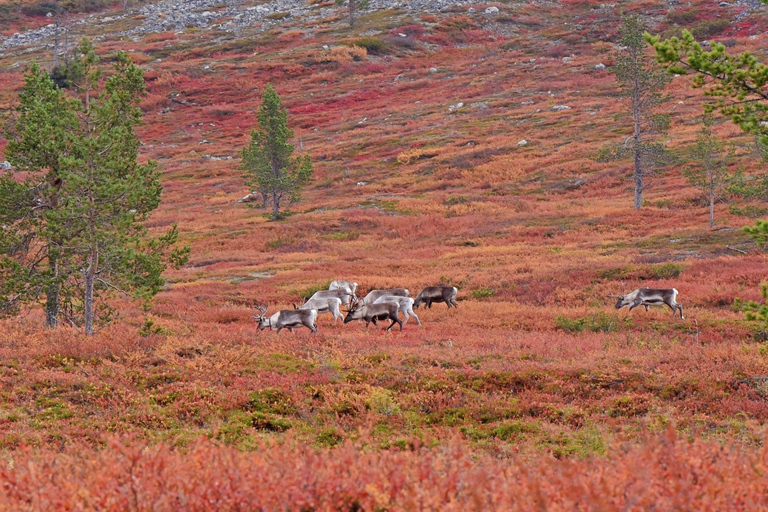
343,295
405,304
375,294
432,294
650,297
330,305
371,312
286,318
344,285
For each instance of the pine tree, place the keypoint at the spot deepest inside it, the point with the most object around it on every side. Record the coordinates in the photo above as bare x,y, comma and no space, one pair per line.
39,137
738,83
710,171
267,160
97,197
641,81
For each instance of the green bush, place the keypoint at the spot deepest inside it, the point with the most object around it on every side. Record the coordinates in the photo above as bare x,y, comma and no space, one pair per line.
709,28
483,293
374,45
667,270
597,322
682,17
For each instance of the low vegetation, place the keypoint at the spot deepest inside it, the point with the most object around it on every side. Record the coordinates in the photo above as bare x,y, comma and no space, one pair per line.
456,153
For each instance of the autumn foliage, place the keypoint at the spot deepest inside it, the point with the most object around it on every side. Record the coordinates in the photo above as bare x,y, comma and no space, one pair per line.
535,394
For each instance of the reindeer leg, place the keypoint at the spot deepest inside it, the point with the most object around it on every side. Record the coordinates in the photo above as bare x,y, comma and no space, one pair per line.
646,307
405,315
416,317
279,329
635,304
429,303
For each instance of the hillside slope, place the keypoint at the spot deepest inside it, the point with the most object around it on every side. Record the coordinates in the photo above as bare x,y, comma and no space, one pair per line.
460,149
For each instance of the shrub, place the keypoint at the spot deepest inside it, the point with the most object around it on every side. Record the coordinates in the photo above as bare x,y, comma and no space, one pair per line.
667,270
340,55
682,17
372,45
412,155
597,322
482,293
709,28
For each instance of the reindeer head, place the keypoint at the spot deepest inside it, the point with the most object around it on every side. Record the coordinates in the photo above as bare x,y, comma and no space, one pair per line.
262,316
621,302
354,310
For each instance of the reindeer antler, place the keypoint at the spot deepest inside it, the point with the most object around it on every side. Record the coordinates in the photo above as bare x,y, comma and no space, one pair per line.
262,307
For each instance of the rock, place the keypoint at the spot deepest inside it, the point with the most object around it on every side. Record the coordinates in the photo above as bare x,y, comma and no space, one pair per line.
724,4
5,166
456,106
522,143
600,66
49,15
492,10
402,35
470,10
566,59
527,102
433,70
558,108
361,183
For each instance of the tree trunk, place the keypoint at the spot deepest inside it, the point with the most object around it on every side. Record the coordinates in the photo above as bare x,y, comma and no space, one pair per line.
638,182
352,13
52,295
711,209
275,206
90,280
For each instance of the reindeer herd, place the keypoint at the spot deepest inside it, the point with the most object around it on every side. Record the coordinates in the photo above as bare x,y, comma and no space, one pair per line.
376,305
388,303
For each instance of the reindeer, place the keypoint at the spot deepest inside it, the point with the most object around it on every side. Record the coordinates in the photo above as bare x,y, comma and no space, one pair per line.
330,305
650,297
432,294
405,304
344,285
360,310
343,295
375,294
286,318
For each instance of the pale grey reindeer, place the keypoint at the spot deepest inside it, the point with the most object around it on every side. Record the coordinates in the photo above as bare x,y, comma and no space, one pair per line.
360,310
328,305
432,294
343,295
650,297
286,319
375,294
344,285
404,304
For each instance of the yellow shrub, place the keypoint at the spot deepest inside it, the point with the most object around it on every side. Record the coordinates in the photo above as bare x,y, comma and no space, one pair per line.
412,155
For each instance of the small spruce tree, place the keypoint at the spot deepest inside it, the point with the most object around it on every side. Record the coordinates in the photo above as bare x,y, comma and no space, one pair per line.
270,167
